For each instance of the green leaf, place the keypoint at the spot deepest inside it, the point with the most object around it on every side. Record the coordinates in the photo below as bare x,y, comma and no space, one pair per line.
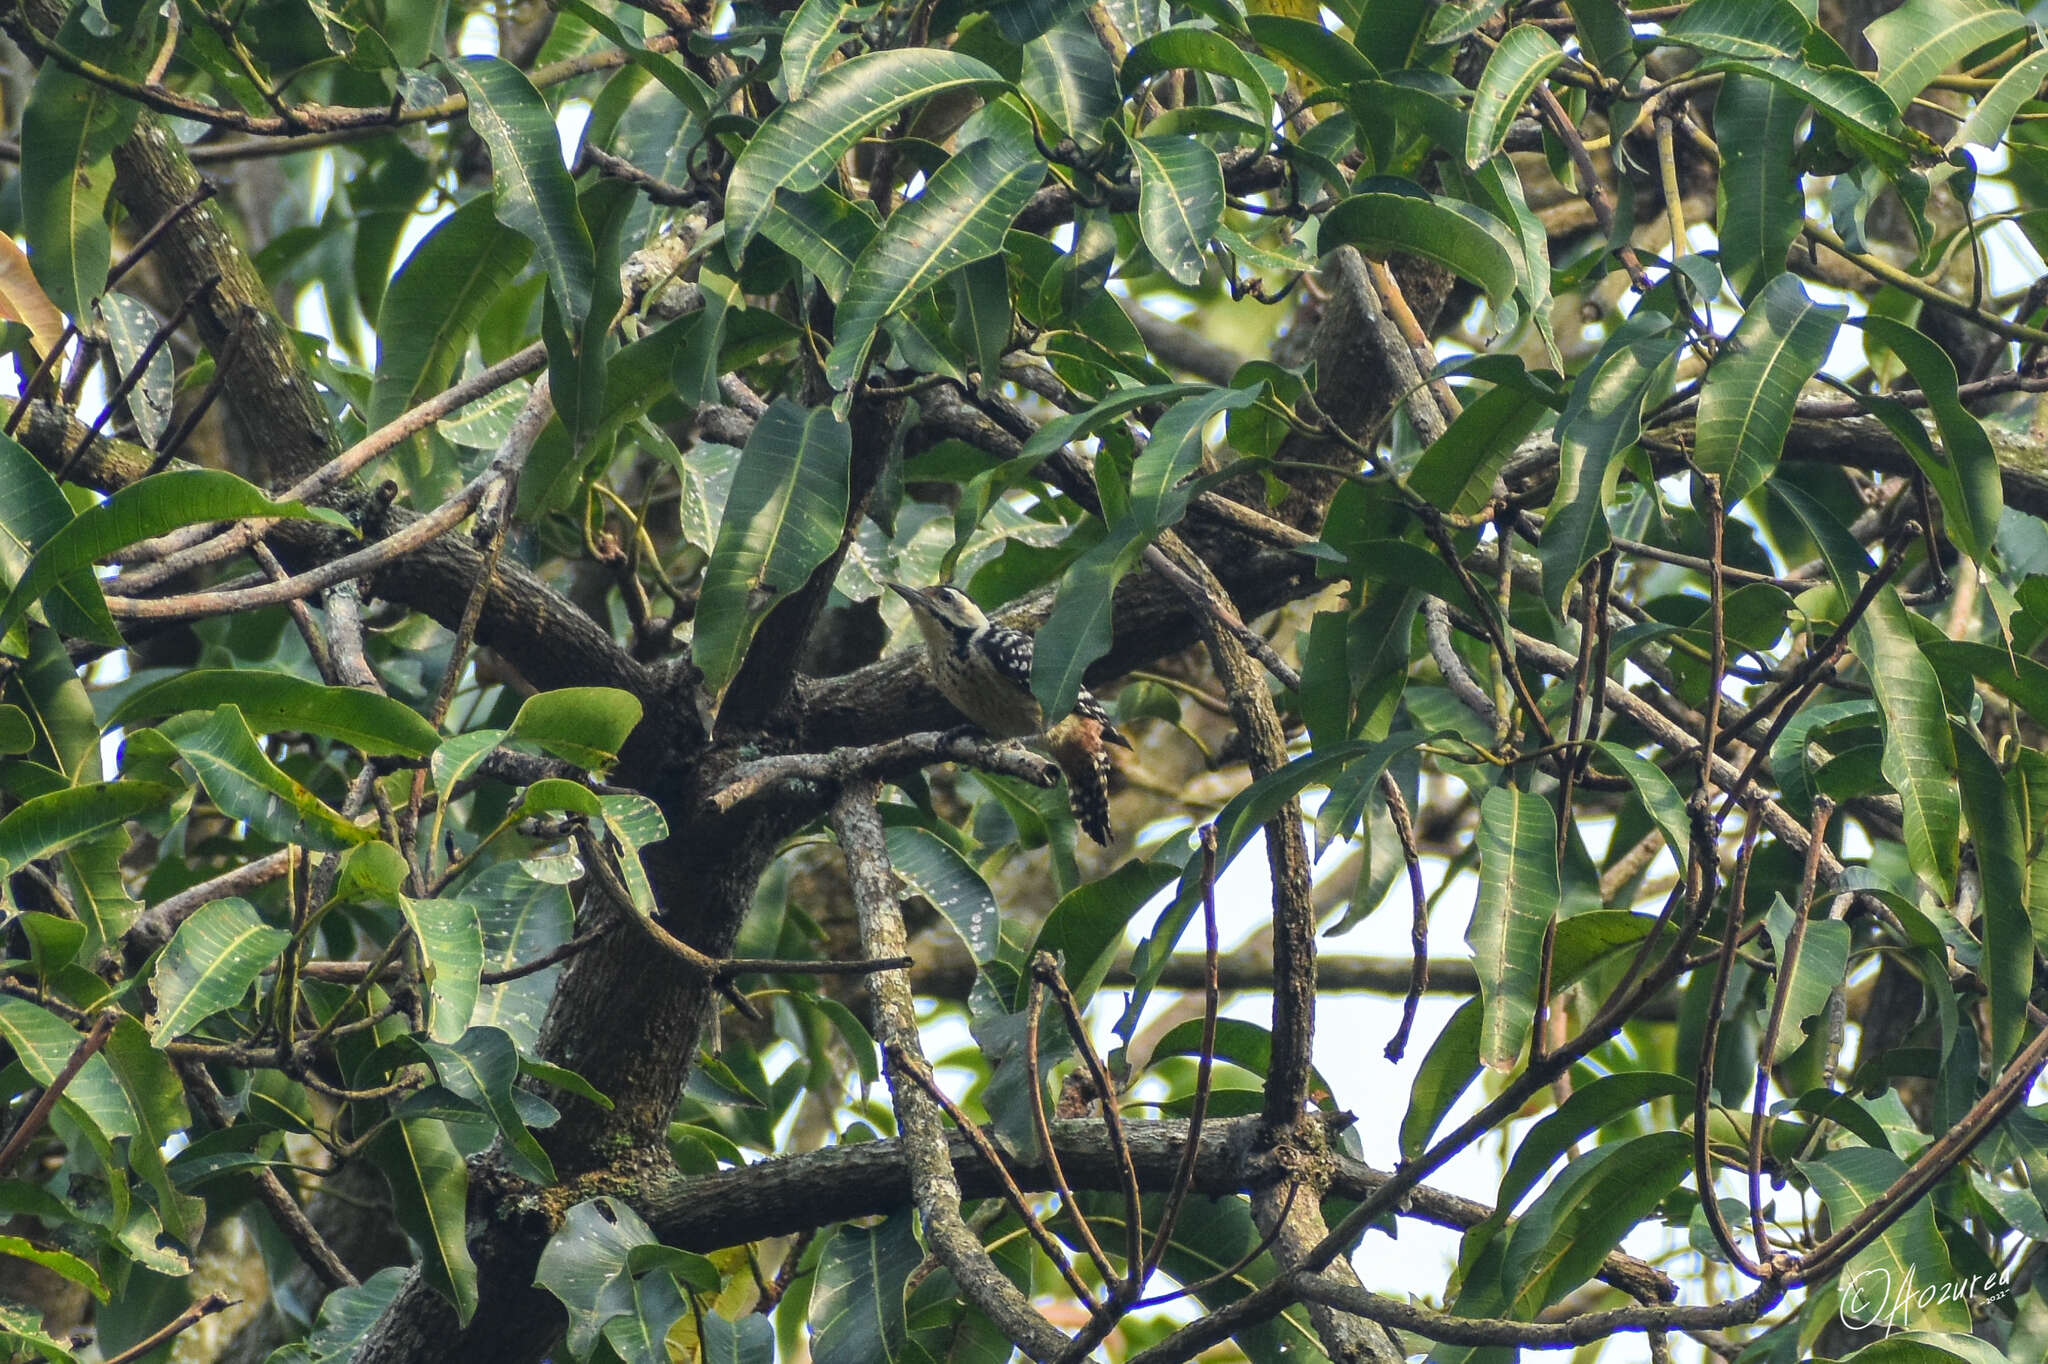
824,230
2000,843
523,909
48,824
1760,197
960,217
1988,122
44,1043
247,785
1377,222
1447,1072
432,308
782,520
1525,56
1967,481
1561,1240
1654,789
856,1314
1919,755
483,1067
1845,97
1180,201
531,191
1069,79
452,948
1158,495
148,507
587,726
430,1196
1603,420
585,1264
129,326
273,701
1746,406
61,1263
797,145
1185,46
930,866
1456,471
1756,30
1387,31
69,129
33,511
209,965
1518,895
1590,1107
1923,38
2014,676
1849,1179
1822,966
750,1340
814,32
1086,927
1078,630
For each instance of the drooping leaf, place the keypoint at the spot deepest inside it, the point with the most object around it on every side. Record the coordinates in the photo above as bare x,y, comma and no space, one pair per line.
960,217
482,1066
1849,1179
209,965
1525,56
69,129
587,726
1447,1072
2000,843
797,145
1760,30
1563,1237
23,300
1378,221
1989,121
1923,38
273,701
45,825
1823,964
930,866
815,30
1518,893
1193,48
429,1184
1602,420
43,1044
130,326
1967,480
1759,199
531,191
33,511
782,519
857,1314
1659,796
1747,403
432,308
1180,201
247,785
452,947
148,507
1068,78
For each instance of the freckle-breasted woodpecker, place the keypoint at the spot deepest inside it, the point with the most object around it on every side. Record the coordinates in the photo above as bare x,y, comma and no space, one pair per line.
984,669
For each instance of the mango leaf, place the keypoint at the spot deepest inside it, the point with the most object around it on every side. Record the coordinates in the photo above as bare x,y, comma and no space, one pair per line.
2016,677
33,511
1447,1072
247,785
1069,79
1923,38
961,216
1456,471
148,507
930,866
1180,201
22,299
2000,842
61,1263
1378,221
1822,966
48,824
782,520
1518,894
1087,926
43,1043
1746,406
797,145
1198,49
209,965
129,325
1849,1179
483,1067
523,909
429,1196
1988,122
1759,199
1967,481
857,1314
1561,1240
1525,56
69,129
432,308
1158,494
1756,30
1655,790
587,726
1590,1107
1602,420
1919,755
1326,59
452,947
816,29
273,701
824,230
531,191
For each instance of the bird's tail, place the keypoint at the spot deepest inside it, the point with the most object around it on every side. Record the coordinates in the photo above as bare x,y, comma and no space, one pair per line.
1077,745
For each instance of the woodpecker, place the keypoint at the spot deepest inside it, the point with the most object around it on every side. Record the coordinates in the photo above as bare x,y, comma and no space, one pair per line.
984,669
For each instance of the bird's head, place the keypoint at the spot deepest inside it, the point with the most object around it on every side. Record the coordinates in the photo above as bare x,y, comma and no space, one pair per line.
943,614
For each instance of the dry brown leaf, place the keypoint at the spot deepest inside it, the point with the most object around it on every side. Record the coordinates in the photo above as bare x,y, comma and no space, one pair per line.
23,300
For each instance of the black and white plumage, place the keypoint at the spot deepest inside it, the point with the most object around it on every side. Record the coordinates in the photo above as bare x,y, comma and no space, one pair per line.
984,669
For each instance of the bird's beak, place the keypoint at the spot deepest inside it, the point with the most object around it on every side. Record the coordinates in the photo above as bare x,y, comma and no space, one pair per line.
909,594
